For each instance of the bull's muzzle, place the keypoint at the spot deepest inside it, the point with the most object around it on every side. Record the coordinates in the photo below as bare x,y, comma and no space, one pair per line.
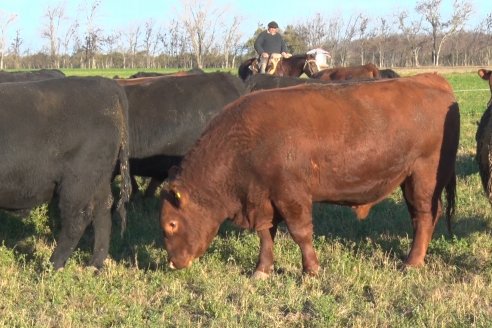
175,266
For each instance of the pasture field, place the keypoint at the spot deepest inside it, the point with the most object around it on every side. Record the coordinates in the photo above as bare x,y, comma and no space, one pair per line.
360,283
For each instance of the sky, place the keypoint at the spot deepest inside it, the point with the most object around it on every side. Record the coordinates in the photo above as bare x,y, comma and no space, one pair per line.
118,14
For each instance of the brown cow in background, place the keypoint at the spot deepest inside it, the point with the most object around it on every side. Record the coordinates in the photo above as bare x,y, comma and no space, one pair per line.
367,71
269,155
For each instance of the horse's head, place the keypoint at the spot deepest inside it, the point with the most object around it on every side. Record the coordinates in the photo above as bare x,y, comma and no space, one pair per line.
310,65
248,68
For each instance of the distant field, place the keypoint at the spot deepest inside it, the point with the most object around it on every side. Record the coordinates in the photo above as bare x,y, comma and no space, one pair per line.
360,284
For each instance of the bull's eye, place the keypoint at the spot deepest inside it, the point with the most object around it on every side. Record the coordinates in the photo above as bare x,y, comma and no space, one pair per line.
171,228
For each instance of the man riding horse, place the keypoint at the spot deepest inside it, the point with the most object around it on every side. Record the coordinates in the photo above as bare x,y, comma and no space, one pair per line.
270,46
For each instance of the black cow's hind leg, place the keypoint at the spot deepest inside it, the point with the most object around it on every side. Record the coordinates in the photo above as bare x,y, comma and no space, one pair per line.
102,225
75,220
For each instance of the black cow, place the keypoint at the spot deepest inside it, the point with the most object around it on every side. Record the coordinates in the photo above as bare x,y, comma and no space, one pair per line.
63,137
483,137
167,116
265,81
21,76
388,73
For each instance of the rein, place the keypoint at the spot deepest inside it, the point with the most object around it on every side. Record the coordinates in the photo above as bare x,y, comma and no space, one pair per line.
308,63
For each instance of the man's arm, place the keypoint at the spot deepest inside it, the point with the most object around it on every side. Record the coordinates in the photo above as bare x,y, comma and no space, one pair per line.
258,43
283,46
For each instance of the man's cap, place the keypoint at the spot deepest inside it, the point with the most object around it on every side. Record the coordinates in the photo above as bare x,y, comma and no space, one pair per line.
272,24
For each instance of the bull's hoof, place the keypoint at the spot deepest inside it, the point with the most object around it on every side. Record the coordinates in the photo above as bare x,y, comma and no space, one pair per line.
313,271
413,263
260,275
405,268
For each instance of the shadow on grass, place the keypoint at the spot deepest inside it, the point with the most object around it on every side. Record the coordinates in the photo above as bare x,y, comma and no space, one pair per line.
141,245
466,165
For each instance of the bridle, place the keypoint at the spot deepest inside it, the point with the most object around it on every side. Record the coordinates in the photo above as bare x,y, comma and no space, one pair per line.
308,66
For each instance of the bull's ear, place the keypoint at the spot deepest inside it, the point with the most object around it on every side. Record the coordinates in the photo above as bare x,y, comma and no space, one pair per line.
484,74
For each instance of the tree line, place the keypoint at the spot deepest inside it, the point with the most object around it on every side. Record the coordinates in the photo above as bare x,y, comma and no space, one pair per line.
208,36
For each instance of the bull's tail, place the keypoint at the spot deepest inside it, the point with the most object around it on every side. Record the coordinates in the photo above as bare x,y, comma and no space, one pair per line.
123,158
450,201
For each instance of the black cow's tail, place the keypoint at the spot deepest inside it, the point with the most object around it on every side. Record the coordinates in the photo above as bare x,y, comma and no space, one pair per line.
123,158
450,201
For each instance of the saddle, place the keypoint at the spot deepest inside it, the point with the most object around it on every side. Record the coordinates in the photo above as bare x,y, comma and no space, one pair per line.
271,66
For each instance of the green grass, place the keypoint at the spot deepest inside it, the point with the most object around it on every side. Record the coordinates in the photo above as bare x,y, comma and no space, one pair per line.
360,283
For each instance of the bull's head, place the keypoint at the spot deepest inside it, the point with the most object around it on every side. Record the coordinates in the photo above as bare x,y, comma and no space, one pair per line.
188,227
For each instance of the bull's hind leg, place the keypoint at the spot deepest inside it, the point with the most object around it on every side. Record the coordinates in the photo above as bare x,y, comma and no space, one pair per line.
296,210
423,200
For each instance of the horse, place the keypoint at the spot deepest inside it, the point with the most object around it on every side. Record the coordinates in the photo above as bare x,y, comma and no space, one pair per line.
292,66
367,71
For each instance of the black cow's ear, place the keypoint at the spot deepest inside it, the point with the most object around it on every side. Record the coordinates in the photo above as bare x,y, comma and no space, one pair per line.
173,172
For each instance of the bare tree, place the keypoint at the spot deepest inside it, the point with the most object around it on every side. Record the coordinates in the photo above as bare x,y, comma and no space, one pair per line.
132,35
110,43
150,42
54,16
487,29
362,35
231,40
382,36
200,20
347,37
70,36
333,37
5,20
174,44
441,30
313,31
411,32
15,48
92,35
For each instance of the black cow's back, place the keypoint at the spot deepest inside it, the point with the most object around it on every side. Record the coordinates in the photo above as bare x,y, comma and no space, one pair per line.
24,76
168,115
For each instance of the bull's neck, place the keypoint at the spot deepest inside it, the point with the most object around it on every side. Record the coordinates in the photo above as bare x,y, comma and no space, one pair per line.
213,190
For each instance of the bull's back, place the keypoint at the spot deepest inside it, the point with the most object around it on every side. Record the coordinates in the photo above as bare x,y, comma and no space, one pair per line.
347,141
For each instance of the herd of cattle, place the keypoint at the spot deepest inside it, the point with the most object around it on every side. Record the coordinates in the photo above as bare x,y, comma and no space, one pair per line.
257,152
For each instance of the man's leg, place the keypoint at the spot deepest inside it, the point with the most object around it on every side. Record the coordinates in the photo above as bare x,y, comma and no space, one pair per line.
263,64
